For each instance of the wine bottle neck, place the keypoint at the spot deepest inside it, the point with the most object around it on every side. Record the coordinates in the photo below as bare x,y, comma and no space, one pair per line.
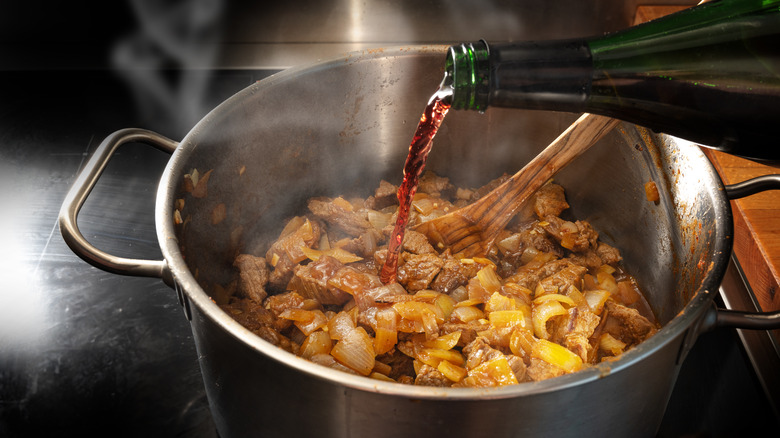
551,75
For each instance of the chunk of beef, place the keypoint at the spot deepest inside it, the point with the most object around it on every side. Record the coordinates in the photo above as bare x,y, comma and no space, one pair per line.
339,214
418,271
626,324
575,236
434,184
478,352
277,304
575,330
384,196
453,274
609,255
259,321
468,331
549,200
484,190
253,276
430,376
565,274
312,281
540,370
285,253
417,243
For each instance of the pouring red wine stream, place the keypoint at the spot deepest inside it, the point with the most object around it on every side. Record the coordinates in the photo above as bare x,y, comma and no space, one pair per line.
420,147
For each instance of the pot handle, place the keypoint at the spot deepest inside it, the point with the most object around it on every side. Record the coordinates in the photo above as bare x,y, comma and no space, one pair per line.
753,186
736,318
81,188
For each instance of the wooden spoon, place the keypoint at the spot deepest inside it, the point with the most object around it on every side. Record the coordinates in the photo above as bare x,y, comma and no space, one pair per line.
471,230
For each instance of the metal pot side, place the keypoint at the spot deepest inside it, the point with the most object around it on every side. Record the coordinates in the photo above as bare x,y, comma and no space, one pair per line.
341,126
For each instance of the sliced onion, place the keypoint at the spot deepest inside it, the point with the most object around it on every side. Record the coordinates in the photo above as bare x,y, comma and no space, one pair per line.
444,342
557,355
489,279
318,342
499,302
340,325
596,300
466,314
555,297
542,313
507,318
521,342
355,350
611,344
496,372
386,332
451,371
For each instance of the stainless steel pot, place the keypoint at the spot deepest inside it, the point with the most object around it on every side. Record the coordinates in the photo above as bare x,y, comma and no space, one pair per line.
340,126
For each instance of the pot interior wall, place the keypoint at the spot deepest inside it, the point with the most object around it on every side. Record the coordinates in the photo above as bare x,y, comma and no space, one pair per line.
341,127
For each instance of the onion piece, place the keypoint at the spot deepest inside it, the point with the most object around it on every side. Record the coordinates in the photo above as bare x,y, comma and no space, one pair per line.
444,342
339,254
318,342
557,355
596,300
521,342
451,371
499,302
507,318
557,297
611,344
340,325
466,314
542,313
489,279
356,351
496,372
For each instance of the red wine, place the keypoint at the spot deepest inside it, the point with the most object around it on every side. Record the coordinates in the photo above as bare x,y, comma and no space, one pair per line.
430,121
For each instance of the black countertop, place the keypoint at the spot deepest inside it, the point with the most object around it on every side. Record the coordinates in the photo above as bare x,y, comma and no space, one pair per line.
88,353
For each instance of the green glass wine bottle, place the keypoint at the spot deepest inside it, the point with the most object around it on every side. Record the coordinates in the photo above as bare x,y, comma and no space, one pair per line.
709,74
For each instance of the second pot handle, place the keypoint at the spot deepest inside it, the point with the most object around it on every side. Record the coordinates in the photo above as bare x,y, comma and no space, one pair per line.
736,318
83,186
753,186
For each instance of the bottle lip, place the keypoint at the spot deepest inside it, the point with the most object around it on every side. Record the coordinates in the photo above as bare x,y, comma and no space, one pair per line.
467,71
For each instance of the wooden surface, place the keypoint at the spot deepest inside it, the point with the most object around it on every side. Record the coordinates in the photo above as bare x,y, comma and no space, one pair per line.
756,227
756,218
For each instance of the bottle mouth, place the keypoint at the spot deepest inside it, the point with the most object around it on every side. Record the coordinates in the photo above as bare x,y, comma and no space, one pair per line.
467,74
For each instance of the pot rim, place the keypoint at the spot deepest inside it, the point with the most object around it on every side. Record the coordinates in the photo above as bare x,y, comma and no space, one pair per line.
689,318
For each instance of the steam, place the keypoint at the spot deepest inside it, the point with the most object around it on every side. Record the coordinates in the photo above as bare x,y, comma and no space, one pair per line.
167,61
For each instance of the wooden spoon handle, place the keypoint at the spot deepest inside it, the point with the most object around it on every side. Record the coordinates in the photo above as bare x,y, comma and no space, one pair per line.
506,199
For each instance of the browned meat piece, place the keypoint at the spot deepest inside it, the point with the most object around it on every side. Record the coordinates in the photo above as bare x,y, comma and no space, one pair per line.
468,331
253,274
549,200
311,281
417,243
453,274
401,364
430,376
339,214
575,330
567,274
277,304
484,190
434,184
588,259
478,352
541,370
418,271
285,253
608,254
518,367
626,324
576,236
364,245
281,275
258,320
386,195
